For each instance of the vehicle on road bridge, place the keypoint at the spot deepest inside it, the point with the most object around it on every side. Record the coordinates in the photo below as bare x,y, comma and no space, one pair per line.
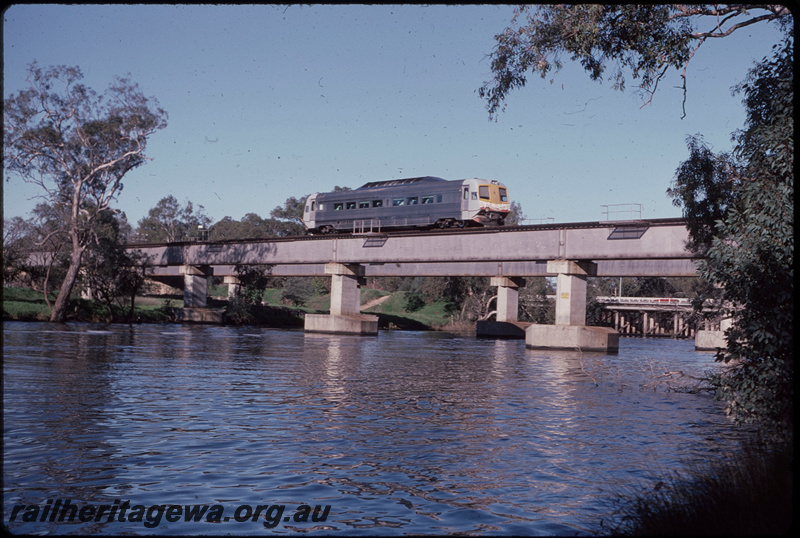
419,202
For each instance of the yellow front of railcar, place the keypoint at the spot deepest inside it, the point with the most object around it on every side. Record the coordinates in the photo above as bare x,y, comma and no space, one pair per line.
485,201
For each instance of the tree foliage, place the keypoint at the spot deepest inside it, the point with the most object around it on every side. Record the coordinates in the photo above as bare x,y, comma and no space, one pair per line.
111,273
77,145
704,187
642,42
36,250
168,221
291,213
254,280
751,257
515,216
253,226
740,207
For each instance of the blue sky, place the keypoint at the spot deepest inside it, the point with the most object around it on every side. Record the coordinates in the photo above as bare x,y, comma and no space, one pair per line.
267,102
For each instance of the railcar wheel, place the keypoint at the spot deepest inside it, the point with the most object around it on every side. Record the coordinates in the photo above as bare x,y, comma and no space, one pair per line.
442,224
460,224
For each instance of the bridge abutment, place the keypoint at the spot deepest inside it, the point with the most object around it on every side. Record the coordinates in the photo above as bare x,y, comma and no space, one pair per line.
345,314
570,330
506,323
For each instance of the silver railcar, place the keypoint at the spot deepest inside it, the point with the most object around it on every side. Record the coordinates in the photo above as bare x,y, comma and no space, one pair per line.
419,202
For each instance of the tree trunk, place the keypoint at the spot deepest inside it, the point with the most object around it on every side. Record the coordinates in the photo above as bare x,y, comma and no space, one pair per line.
62,301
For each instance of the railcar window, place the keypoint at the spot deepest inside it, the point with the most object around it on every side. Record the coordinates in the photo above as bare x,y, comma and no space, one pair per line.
351,205
398,202
312,205
413,200
466,193
474,195
484,192
363,205
377,203
438,198
427,199
503,195
338,206
306,209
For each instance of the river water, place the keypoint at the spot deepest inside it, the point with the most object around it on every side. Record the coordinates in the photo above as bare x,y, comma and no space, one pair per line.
407,432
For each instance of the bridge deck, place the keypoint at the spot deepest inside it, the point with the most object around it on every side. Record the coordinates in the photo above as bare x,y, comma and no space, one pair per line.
654,248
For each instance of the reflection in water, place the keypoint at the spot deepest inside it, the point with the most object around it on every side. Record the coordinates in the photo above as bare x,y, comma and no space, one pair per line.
417,432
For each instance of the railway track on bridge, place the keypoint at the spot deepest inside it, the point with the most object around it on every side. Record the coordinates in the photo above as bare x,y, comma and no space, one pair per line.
644,223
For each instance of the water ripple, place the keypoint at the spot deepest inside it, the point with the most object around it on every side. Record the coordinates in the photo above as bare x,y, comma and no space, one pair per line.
405,433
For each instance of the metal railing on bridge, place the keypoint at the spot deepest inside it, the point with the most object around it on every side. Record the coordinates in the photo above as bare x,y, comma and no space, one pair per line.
620,212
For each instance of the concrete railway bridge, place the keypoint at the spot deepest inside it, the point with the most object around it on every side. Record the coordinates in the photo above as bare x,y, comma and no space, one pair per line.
569,252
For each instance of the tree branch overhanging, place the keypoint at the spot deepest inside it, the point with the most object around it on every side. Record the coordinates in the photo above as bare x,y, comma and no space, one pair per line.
644,41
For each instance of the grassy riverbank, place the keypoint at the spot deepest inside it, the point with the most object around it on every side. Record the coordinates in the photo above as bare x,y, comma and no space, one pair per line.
22,304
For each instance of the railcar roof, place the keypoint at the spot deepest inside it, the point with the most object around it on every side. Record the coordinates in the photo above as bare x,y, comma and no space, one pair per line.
407,181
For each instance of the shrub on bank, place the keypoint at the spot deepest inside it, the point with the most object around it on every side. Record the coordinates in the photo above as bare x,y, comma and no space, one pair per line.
743,494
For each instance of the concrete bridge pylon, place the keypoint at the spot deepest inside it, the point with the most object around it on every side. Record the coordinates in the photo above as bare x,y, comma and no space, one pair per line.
506,323
570,330
345,315
195,285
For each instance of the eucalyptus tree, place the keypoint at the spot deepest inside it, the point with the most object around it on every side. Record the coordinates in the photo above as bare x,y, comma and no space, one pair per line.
168,221
750,256
252,226
640,41
77,145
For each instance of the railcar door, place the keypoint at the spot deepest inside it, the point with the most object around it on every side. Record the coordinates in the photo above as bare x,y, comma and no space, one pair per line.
310,212
469,200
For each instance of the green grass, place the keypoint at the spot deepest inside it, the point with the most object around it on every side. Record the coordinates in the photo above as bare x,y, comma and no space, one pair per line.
369,294
394,309
23,304
392,313
27,305
273,296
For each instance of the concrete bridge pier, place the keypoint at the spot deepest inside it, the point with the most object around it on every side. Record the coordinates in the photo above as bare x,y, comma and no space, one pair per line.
345,315
234,284
570,330
195,285
706,340
195,296
506,324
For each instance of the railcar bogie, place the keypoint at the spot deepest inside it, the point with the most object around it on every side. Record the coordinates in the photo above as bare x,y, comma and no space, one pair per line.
422,202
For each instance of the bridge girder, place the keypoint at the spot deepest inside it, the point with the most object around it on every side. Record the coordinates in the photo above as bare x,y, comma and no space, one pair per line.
657,249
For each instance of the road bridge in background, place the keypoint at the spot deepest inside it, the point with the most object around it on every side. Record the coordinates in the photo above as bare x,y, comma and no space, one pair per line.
648,316
571,252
